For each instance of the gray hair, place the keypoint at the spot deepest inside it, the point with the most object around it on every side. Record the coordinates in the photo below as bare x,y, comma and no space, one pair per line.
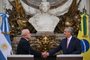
69,29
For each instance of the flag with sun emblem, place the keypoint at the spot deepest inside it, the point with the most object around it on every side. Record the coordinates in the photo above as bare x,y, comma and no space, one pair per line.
5,43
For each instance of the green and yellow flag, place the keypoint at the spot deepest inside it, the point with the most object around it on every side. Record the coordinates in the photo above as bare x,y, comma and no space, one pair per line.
84,34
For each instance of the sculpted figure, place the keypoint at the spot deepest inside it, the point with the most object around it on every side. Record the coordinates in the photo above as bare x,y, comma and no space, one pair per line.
45,19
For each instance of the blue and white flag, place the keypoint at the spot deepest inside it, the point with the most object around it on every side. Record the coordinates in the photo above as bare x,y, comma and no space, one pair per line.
5,43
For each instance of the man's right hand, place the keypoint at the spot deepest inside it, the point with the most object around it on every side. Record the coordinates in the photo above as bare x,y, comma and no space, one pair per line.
45,54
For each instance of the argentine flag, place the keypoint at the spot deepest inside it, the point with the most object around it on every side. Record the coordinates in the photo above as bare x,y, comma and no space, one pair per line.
5,43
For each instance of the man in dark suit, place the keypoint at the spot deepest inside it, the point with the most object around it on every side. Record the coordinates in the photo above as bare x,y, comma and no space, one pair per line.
24,45
69,45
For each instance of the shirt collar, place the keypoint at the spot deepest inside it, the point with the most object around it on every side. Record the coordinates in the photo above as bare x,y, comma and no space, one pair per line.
69,38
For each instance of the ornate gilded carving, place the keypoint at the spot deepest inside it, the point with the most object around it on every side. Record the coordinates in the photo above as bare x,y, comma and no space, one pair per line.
44,41
19,20
71,18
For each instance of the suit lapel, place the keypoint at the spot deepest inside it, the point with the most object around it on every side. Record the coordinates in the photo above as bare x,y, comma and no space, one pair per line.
66,43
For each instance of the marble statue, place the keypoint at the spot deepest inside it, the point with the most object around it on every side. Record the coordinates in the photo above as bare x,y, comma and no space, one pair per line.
45,19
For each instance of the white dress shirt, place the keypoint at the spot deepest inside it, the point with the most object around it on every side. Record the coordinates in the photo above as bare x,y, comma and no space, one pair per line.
68,41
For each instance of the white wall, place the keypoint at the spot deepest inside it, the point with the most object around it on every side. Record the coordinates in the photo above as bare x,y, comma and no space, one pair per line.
1,6
84,3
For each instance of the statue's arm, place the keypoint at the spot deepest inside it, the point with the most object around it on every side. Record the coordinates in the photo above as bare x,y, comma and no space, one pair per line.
61,9
29,10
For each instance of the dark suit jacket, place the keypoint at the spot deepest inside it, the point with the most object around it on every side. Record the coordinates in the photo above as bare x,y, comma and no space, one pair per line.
73,48
25,48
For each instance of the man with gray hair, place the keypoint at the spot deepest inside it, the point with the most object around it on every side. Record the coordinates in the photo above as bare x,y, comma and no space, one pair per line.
24,45
69,29
69,45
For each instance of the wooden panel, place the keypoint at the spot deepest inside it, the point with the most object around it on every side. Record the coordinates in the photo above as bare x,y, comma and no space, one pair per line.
69,57
20,57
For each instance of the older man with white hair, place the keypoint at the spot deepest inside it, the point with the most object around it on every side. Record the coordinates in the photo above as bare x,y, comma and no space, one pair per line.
24,45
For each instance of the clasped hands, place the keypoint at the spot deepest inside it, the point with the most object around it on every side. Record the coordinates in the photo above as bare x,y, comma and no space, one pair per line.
45,54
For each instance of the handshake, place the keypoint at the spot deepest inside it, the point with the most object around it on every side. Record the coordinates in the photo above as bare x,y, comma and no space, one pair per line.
45,54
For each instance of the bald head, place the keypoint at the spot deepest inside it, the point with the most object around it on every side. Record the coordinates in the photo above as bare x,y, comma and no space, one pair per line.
25,33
